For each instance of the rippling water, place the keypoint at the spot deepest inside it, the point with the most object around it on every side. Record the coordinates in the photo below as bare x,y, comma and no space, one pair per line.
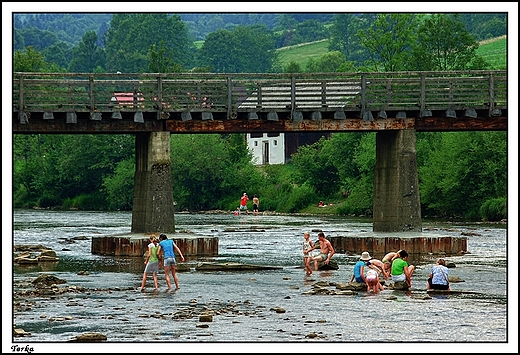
479,316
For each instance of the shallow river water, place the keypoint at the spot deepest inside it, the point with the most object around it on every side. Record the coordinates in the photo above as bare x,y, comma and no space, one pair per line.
475,321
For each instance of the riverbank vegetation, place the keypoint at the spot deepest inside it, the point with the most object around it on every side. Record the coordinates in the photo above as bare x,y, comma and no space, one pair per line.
461,174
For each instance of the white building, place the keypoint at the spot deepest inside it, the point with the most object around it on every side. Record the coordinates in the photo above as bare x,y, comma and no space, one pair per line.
267,148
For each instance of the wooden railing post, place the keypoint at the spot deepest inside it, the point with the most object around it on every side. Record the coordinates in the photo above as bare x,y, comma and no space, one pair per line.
159,93
491,93
91,93
229,96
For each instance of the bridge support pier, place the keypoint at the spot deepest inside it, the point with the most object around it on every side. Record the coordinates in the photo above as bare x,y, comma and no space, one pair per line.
153,209
397,205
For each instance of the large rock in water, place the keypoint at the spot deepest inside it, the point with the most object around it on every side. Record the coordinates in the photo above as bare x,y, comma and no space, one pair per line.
47,280
332,265
232,267
89,338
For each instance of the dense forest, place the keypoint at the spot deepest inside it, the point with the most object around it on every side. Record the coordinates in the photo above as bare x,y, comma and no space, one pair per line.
461,174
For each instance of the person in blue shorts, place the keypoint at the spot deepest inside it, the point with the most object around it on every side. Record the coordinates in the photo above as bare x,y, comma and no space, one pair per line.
167,258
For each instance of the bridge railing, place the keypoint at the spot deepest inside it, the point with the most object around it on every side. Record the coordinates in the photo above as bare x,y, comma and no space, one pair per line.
232,93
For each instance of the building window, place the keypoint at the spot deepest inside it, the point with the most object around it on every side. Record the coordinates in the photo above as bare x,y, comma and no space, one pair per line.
256,135
273,134
275,142
256,143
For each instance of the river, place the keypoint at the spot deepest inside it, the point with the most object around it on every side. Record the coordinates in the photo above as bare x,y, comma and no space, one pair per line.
131,320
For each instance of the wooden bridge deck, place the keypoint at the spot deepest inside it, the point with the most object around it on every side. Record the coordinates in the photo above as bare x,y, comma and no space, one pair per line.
214,103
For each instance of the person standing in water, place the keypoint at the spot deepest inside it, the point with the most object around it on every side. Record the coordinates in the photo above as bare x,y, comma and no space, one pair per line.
308,246
152,263
243,203
167,257
256,202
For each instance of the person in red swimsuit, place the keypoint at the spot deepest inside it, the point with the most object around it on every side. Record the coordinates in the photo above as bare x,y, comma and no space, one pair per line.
243,203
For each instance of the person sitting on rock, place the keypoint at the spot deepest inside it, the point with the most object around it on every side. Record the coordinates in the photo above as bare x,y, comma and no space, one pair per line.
401,271
326,251
438,279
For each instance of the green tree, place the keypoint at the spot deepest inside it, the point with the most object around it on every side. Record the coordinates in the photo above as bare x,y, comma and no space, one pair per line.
316,169
208,168
443,43
245,49
119,186
466,170
160,61
309,31
130,37
29,60
87,55
329,62
292,67
389,40
59,53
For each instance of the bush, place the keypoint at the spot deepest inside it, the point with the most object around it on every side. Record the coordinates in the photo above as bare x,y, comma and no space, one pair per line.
48,201
89,202
298,199
494,209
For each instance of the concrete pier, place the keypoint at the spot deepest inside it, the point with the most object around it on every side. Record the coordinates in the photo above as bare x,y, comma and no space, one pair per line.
397,206
414,244
136,244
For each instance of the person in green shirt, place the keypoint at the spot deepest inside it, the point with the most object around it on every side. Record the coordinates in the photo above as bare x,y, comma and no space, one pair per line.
401,271
151,262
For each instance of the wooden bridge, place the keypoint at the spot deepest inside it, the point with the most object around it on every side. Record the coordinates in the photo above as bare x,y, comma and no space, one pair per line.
235,103
153,106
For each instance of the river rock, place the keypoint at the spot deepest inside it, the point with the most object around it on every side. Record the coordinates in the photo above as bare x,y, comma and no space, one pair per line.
454,279
47,280
89,338
400,285
205,266
19,332
332,265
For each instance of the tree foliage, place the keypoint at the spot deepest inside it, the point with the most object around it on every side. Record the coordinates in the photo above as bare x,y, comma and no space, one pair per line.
207,168
244,49
389,40
465,170
87,55
131,36
443,43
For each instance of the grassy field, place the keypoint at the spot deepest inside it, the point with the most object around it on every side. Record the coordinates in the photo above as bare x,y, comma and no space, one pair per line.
301,53
494,51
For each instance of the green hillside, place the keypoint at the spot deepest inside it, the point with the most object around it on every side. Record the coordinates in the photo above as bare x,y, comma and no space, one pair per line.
301,53
494,51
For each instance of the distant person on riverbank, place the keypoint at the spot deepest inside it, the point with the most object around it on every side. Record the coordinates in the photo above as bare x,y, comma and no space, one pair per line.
326,251
308,246
167,258
152,263
256,202
438,279
243,203
359,268
401,271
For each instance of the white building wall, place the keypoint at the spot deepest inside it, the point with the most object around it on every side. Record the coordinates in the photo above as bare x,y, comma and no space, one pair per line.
267,150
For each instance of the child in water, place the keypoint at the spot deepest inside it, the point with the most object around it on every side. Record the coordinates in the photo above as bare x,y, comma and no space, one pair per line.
308,246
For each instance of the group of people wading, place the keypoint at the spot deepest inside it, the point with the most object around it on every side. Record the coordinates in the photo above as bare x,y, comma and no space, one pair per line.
368,270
